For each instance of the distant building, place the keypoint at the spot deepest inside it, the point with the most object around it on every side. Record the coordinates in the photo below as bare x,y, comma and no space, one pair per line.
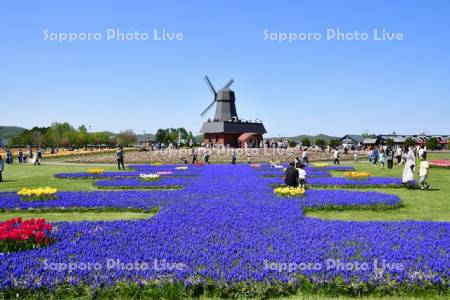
400,139
352,140
373,141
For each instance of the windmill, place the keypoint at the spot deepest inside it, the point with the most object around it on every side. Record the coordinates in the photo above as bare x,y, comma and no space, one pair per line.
224,100
226,129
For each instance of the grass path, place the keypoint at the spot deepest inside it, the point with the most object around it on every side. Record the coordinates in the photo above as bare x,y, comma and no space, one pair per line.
76,216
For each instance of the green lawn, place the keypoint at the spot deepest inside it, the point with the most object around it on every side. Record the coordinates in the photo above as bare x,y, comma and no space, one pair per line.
432,205
76,216
17,176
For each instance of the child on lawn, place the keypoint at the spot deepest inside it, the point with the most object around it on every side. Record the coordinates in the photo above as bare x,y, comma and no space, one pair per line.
423,172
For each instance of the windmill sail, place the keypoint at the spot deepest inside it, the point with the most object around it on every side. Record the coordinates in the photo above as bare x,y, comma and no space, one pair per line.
208,108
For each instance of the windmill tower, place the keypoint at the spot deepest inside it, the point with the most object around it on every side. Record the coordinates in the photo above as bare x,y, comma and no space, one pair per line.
226,128
224,100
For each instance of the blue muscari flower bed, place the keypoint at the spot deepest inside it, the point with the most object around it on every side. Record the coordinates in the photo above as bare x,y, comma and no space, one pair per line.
142,200
136,183
227,227
138,169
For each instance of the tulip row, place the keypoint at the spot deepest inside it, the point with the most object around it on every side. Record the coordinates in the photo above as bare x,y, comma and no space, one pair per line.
16,234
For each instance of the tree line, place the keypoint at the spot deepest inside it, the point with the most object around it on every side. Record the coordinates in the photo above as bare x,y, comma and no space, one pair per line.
174,135
65,135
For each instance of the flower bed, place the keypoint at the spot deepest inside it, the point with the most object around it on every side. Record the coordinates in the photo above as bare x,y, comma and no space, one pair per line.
164,172
95,171
442,163
255,165
340,199
357,175
134,183
236,241
149,177
47,193
345,182
289,191
338,168
16,235
104,175
135,200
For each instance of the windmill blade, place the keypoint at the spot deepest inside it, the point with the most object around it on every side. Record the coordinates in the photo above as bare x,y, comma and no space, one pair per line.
210,85
208,108
228,83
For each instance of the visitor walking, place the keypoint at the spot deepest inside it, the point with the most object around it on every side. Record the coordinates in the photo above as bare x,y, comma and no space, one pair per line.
234,157
408,170
423,172
2,167
399,154
305,156
120,155
35,160
20,156
422,151
194,156
374,156
9,157
355,157
40,154
390,157
292,176
206,157
382,158
336,155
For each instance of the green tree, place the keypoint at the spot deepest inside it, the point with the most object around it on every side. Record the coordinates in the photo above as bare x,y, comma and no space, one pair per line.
126,138
390,142
306,142
82,136
161,135
70,138
432,144
171,135
292,143
333,143
321,143
410,142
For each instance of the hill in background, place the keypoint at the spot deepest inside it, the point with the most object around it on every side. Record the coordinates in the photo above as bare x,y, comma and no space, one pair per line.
7,132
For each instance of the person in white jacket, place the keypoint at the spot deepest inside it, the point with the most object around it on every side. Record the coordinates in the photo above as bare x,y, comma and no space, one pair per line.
410,166
336,156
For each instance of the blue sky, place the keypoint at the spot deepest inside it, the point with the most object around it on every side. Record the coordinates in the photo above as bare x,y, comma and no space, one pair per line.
302,87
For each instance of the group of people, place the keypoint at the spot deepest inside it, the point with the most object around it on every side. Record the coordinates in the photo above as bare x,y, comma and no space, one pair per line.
409,159
385,155
35,157
295,175
24,157
405,155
